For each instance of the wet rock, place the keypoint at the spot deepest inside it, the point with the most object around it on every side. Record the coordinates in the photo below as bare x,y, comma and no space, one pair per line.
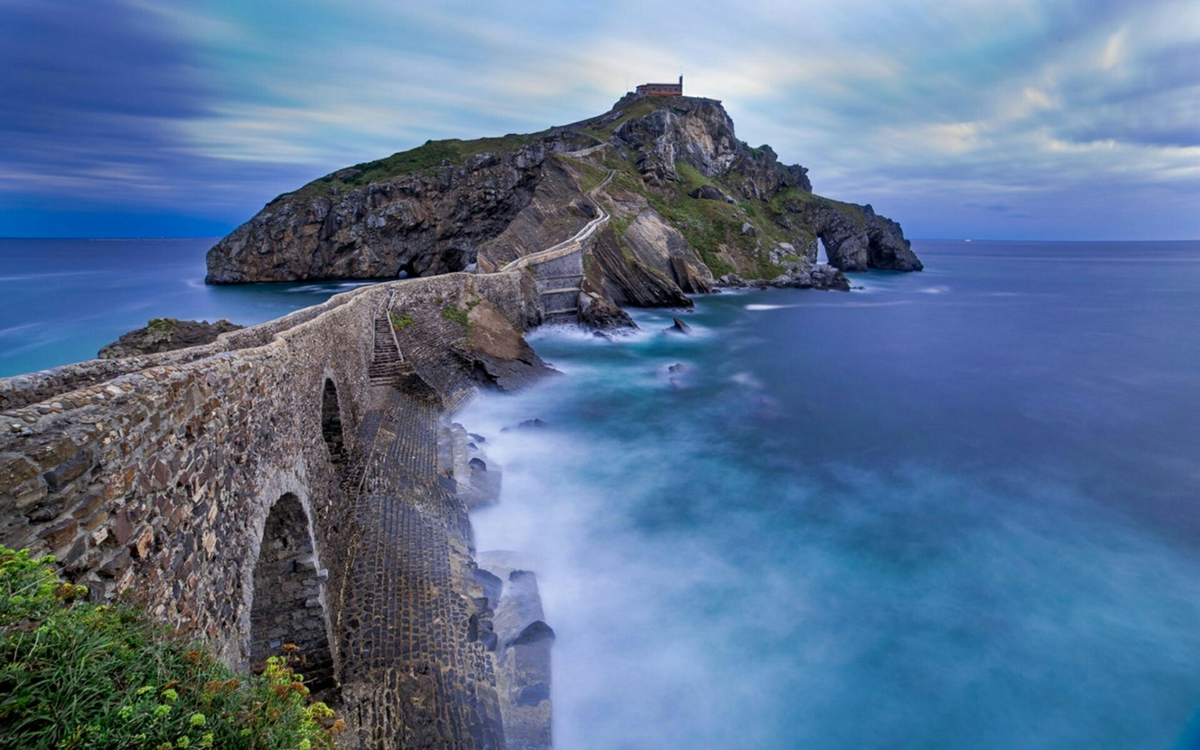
598,314
806,275
524,641
528,424
678,327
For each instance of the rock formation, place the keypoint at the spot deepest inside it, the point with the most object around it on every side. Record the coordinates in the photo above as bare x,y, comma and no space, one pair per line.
684,201
164,335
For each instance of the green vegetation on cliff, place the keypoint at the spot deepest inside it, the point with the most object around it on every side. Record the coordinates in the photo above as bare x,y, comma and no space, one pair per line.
431,155
74,674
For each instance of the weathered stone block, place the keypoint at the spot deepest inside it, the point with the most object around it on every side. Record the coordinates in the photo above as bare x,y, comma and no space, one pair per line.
122,527
77,463
53,452
116,565
15,469
59,534
139,545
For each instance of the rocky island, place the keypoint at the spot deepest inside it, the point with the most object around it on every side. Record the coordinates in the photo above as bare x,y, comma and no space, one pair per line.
682,205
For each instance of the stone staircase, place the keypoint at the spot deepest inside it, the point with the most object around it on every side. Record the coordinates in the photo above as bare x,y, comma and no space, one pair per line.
560,295
389,369
387,364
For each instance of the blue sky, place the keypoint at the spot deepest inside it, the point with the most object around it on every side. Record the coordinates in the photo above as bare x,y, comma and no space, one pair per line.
958,118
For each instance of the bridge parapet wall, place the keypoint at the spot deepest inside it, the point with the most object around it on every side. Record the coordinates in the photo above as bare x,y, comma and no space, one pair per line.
156,483
31,388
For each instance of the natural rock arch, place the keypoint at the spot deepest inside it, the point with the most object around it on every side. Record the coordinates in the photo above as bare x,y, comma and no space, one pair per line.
288,605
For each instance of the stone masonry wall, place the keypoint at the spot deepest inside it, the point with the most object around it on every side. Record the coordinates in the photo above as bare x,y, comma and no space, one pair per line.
156,484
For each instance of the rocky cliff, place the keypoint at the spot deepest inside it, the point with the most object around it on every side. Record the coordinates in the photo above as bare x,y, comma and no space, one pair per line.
688,203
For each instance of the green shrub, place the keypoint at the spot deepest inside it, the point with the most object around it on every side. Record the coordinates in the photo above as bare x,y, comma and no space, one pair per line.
74,674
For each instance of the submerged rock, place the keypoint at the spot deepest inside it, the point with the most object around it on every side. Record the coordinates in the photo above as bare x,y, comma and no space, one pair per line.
528,424
678,327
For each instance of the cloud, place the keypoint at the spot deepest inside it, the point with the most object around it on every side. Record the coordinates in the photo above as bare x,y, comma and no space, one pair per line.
215,107
91,97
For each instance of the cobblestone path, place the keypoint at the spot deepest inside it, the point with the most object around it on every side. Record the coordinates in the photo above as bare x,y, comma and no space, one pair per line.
414,674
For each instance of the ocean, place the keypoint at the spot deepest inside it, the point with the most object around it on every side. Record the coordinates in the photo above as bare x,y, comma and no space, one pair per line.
954,509
63,299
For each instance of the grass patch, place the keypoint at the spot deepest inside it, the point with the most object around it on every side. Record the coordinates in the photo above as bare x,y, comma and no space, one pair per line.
79,675
460,315
708,226
428,157
618,224
691,176
591,176
401,321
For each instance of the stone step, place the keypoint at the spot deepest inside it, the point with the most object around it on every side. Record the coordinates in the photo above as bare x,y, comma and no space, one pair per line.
564,311
386,356
564,290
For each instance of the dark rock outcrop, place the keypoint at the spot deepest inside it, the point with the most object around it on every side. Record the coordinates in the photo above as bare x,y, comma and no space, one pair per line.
699,133
497,350
164,335
806,275
763,176
709,193
523,645
678,326
696,132
599,314
427,222
628,282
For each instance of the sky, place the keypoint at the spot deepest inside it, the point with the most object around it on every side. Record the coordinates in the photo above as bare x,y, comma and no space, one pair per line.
1022,119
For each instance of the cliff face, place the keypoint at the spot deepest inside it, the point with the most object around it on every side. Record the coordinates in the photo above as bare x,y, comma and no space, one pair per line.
698,133
428,222
688,202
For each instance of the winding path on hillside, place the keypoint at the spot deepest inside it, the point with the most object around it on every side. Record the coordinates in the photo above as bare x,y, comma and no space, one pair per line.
568,246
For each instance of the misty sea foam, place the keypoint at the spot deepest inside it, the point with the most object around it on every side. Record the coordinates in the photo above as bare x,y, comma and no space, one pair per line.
954,509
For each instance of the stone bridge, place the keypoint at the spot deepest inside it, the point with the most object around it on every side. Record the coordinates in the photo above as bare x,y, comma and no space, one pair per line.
300,482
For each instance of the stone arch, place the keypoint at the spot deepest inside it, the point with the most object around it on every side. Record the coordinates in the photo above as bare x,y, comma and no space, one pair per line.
331,424
289,601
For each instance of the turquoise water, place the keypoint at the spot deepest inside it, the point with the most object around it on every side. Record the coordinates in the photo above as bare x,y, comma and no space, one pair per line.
61,300
956,509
